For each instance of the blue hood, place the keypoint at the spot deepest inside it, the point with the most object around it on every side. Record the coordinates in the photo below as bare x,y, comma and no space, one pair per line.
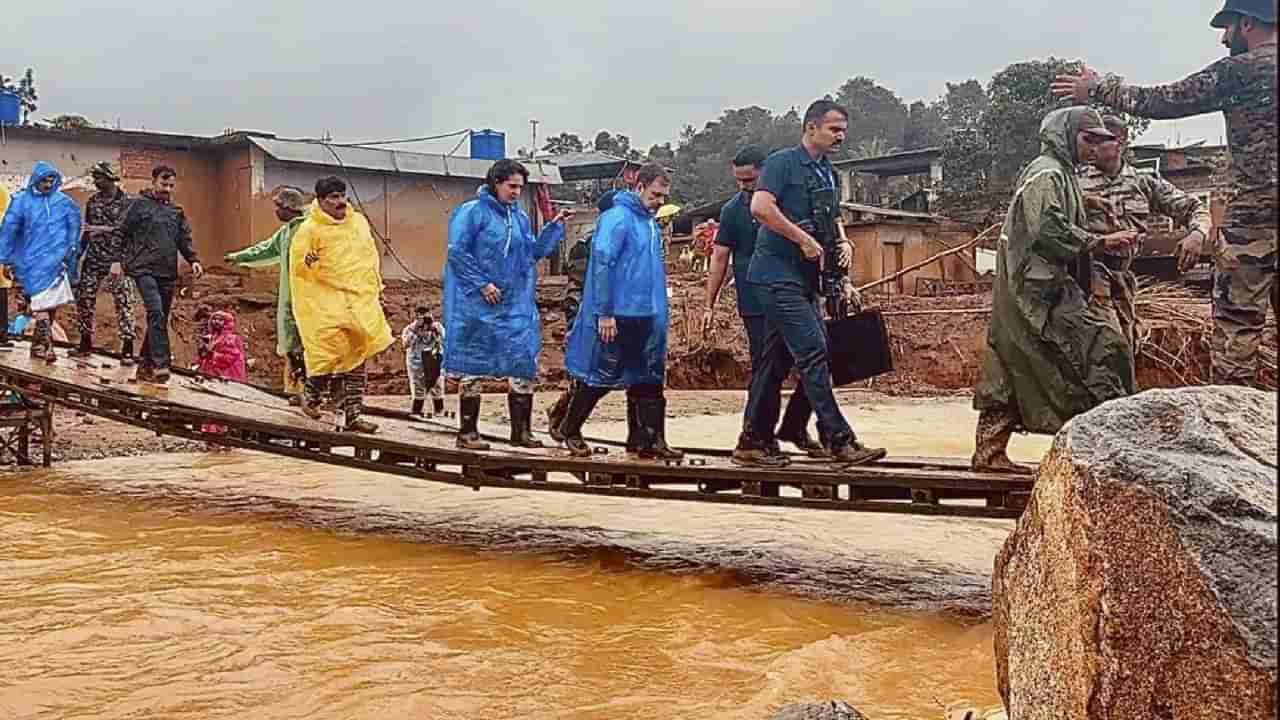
631,201
41,171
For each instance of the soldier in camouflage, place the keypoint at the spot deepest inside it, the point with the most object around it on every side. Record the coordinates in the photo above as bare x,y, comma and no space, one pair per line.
1242,87
101,249
1117,198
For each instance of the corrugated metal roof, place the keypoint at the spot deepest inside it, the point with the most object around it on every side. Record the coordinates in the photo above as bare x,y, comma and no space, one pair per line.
392,161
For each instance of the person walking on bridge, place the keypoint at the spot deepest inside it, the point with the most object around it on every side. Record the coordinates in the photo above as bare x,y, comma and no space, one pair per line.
40,238
619,337
423,341
1243,87
291,205
155,232
101,251
490,300
335,281
1054,349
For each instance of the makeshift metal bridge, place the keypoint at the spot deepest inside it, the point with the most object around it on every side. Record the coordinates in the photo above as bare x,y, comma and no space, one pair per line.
242,416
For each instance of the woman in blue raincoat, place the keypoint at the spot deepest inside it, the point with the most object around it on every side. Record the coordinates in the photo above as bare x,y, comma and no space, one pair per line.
490,300
40,239
619,337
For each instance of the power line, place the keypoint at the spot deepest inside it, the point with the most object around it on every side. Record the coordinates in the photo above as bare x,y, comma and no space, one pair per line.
397,141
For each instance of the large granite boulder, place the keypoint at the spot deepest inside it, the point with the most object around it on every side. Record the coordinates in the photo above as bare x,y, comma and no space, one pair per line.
1140,582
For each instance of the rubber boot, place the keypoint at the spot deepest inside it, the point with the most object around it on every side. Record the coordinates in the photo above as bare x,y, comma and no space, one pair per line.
653,420
556,413
635,428
991,442
468,423
437,406
84,349
42,342
416,409
520,408
126,353
582,402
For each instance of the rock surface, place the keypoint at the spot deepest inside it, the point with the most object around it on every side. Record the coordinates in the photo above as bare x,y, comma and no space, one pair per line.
1140,582
834,710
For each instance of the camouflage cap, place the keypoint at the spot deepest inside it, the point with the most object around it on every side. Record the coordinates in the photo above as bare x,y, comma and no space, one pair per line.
104,170
1264,10
1091,122
290,198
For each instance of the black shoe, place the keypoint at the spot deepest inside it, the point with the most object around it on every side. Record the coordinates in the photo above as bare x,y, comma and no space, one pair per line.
520,408
83,350
468,434
652,414
437,406
416,408
126,353
578,447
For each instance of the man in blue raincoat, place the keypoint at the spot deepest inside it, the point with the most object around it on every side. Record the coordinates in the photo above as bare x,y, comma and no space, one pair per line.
490,300
619,337
40,238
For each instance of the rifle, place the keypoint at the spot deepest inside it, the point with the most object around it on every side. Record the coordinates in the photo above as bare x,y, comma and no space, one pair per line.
827,233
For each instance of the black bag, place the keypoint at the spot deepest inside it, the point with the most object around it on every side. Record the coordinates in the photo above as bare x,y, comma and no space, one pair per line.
858,347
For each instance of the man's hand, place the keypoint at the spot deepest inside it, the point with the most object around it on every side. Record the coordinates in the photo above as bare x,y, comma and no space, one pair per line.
607,329
563,215
198,269
1073,87
708,320
852,298
311,259
1190,250
1120,240
811,248
117,270
845,254
491,293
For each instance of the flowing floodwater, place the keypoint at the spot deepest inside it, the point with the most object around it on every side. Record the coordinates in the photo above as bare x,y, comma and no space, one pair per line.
245,586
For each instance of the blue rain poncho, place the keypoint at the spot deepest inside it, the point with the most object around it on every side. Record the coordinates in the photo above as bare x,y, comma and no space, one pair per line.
626,279
493,243
40,234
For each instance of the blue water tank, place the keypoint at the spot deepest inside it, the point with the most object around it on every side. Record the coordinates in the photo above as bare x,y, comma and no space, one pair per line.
10,108
488,145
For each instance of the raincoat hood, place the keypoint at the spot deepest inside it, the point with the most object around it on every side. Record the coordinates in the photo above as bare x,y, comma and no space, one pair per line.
486,196
1058,134
41,171
631,201
315,213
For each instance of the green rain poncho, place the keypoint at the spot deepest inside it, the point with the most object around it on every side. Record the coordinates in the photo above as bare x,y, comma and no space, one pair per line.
1051,352
275,251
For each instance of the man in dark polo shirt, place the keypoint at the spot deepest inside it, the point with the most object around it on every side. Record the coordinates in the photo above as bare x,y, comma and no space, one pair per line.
735,243
785,268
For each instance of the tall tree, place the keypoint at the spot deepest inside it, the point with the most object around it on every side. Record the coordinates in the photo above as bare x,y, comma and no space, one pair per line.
703,156
662,154
69,122
619,145
924,126
875,112
963,105
563,144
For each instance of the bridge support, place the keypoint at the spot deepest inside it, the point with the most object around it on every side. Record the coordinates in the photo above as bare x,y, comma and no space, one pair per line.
21,421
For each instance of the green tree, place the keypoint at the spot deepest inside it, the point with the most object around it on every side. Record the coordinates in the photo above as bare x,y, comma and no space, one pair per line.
924,127
963,105
563,144
702,157
619,145
875,112
663,154
69,122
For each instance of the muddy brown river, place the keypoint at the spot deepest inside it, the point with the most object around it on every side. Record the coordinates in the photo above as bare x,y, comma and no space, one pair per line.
244,586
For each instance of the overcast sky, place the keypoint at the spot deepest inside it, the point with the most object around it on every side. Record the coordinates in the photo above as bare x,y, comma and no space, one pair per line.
390,69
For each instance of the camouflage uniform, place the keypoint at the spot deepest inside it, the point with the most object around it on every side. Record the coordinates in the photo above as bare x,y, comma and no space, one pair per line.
1243,88
101,251
1132,197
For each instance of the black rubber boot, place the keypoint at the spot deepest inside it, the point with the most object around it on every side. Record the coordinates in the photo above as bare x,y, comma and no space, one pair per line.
437,406
126,353
84,349
581,403
416,409
635,427
556,413
520,408
469,420
653,420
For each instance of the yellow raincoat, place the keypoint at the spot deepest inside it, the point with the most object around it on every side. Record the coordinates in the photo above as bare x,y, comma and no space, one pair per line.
6,280
335,299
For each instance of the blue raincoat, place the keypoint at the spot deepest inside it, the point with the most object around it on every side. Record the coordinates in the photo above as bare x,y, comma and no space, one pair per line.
627,280
40,234
493,243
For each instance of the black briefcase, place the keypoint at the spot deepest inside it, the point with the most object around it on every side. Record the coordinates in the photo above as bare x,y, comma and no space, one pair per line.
858,347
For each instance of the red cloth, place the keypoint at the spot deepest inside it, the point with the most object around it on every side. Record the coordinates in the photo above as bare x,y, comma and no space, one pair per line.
705,235
545,208
225,356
